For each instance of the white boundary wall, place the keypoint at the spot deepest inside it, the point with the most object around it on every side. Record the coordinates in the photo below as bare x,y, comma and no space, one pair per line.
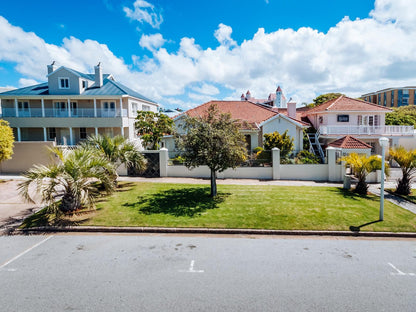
320,172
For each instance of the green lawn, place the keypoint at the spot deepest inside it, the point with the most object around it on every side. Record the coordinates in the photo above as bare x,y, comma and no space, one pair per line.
255,207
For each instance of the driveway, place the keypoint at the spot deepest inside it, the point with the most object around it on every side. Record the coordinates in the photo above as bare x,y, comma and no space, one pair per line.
13,209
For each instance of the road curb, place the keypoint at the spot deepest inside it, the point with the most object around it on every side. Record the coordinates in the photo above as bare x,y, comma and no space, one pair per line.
99,229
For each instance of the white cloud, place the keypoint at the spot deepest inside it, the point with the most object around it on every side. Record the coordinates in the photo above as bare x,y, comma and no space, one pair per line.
24,82
151,42
223,35
207,89
144,12
353,57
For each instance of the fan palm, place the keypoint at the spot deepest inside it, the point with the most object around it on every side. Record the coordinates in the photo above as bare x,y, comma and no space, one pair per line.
117,150
361,166
70,184
407,162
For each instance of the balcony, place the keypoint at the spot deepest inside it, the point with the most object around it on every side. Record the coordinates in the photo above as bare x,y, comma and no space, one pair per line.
63,113
367,130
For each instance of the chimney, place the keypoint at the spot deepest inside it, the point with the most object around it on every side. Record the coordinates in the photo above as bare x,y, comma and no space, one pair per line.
51,68
98,75
291,110
243,98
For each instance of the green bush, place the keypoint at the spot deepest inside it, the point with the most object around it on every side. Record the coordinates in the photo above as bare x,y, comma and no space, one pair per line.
306,157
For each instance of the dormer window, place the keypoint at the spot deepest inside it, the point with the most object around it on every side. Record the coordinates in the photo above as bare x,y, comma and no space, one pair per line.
84,84
63,83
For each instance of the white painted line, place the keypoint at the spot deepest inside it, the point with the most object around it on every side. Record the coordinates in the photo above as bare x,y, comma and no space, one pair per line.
400,272
191,269
25,252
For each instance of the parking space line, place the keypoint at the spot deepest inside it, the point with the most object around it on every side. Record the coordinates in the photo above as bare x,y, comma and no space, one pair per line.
25,252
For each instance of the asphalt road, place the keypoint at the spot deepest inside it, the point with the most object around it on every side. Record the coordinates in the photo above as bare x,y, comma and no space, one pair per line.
191,273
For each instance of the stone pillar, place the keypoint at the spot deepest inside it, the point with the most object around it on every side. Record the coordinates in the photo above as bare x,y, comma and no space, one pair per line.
163,161
276,163
43,107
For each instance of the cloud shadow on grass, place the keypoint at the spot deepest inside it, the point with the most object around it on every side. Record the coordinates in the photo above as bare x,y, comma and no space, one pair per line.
188,202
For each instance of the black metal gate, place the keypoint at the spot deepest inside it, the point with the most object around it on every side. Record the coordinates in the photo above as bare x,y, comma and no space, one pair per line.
152,169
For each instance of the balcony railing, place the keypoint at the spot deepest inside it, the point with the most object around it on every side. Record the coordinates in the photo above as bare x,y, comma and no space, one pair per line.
59,113
367,130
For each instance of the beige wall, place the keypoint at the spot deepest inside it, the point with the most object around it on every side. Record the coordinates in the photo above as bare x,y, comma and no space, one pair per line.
27,154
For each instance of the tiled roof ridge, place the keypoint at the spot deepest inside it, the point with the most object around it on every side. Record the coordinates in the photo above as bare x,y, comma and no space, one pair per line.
349,142
336,100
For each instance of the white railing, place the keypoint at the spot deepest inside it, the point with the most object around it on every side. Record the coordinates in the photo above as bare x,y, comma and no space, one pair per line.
366,130
59,113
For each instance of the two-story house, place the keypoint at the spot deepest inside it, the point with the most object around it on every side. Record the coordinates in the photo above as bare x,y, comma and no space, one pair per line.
71,106
347,116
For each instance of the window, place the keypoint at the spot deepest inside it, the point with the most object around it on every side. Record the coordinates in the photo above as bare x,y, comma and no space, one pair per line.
84,84
109,105
321,119
23,106
360,120
52,133
63,83
343,118
145,108
134,107
385,99
82,133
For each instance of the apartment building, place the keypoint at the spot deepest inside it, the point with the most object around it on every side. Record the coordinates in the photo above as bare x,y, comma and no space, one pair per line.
392,97
71,106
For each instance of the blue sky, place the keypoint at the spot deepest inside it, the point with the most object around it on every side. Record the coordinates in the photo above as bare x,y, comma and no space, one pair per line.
183,53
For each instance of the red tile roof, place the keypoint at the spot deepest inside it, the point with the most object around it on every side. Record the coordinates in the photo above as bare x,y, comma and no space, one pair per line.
345,103
253,114
349,142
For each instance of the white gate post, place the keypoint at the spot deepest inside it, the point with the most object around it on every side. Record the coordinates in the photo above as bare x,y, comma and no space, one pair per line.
276,163
163,161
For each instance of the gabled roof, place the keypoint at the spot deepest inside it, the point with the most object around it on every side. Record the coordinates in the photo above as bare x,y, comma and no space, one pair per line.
246,111
39,89
344,104
349,142
109,87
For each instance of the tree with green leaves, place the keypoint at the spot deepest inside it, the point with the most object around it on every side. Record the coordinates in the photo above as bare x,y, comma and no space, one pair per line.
71,184
324,98
361,166
283,141
151,127
407,162
213,140
6,140
402,116
118,150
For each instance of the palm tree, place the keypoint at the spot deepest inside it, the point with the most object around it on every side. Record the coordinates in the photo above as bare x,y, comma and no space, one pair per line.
361,166
118,150
407,162
72,183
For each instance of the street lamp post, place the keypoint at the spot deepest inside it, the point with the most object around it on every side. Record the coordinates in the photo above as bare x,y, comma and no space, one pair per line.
384,142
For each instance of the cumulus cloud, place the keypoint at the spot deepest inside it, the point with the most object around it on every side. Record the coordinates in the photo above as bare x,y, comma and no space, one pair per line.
223,35
24,82
151,42
144,12
207,89
353,57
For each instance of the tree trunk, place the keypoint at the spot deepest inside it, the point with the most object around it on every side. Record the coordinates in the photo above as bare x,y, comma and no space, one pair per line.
213,183
404,185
